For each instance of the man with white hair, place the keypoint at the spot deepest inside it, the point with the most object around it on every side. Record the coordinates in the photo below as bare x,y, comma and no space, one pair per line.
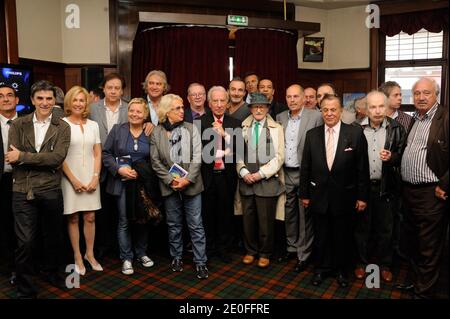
424,170
385,138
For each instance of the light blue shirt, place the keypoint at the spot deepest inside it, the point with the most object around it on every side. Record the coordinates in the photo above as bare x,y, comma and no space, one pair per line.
153,115
292,139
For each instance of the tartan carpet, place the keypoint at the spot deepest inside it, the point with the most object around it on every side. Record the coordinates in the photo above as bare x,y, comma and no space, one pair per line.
226,281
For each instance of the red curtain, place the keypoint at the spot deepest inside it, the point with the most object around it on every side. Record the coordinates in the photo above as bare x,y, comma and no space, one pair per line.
185,54
271,54
410,23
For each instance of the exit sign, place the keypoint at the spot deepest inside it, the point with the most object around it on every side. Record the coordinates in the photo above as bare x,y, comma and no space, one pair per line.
237,20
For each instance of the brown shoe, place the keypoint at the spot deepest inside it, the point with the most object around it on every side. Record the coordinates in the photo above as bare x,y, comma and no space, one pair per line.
360,273
386,275
263,262
248,259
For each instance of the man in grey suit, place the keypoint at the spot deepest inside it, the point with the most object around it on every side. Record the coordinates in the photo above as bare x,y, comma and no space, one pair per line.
296,122
107,112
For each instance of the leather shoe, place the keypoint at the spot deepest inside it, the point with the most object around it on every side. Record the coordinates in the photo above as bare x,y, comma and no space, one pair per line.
405,286
263,262
301,265
288,256
248,259
317,279
13,278
359,273
386,275
341,280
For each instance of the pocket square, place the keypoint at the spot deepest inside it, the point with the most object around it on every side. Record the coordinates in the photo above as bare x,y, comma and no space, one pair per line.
348,149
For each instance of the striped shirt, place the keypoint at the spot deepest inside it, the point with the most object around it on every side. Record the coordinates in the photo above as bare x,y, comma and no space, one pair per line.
292,138
414,161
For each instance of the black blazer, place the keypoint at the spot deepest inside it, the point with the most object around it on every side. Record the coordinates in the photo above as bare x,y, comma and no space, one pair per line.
2,155
188,114
207,168
337,190
276,108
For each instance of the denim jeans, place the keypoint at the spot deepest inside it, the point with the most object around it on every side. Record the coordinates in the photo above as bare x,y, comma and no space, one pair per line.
124,232
176,204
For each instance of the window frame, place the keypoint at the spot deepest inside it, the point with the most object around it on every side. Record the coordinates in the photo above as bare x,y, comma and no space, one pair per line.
443,62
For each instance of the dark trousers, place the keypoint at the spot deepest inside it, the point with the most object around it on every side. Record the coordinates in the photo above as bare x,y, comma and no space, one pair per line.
217,213
259,222
332,242
373,231
106,221
7,236
426,223
48,208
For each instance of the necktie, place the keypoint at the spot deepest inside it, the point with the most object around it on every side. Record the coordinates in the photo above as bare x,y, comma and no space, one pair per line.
330,148
256,133
9,122
218,163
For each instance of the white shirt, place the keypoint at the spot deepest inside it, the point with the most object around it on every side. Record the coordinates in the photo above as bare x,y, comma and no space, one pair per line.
40,129
7,168
112,117
153,115
336,130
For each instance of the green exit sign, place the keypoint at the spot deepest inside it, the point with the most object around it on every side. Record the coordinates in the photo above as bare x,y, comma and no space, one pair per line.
237,20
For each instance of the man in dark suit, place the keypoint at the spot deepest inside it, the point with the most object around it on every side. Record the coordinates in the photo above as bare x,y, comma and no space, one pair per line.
265,86
334,184
424,170
219,175
196,95
8,113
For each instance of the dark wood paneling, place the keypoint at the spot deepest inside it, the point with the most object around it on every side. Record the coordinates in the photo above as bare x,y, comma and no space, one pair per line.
44,70
345,81
405,6
9,47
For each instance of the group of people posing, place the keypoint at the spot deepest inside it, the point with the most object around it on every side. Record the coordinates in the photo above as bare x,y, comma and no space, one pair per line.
345,185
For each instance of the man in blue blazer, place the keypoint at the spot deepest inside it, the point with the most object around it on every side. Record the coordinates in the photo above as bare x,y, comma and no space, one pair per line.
334,184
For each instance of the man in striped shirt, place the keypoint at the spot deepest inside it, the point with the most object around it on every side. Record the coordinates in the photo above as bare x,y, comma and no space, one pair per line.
424,170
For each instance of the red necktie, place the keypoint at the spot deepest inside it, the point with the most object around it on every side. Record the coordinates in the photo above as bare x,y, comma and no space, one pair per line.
218,163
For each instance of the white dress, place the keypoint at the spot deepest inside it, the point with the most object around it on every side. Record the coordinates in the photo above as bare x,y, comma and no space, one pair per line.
80,159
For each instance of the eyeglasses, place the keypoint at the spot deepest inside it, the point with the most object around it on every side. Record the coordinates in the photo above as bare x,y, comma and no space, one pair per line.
177,108
7,96
197,94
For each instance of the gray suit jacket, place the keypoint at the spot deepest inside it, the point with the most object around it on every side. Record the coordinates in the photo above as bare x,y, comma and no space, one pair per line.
98,114
192,158
309,119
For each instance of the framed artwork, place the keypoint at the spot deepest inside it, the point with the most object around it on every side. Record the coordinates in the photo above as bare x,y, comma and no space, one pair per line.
313,49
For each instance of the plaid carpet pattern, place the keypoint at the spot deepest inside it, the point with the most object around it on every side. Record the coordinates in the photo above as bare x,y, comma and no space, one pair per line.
226,281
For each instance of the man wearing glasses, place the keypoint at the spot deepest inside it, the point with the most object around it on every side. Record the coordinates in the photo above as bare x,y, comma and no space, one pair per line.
197,98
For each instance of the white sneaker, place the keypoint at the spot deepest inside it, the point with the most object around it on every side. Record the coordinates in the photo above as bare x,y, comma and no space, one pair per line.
127,268
146,261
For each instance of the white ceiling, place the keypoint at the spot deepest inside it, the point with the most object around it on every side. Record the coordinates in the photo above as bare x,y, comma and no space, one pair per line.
327,4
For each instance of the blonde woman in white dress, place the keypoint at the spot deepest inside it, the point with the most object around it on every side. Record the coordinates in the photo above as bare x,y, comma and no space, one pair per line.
80,183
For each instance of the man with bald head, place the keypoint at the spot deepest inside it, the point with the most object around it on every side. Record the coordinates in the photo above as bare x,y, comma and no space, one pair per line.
311,99
374,226
296,122
424,170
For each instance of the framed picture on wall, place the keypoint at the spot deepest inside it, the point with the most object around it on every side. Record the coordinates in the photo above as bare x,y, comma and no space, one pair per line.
313,49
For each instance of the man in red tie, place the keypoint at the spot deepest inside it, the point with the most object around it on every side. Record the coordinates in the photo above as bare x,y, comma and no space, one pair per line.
334,184
219,174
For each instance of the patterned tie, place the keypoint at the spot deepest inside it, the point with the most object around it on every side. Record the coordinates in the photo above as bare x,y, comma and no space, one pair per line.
9,122
256,133
330,148
218,163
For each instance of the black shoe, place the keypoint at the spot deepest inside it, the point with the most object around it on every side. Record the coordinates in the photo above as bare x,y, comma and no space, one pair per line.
12,279
405,286
225,258
55,280
301,265
202,272
177,265
341,280
288,256
317,279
